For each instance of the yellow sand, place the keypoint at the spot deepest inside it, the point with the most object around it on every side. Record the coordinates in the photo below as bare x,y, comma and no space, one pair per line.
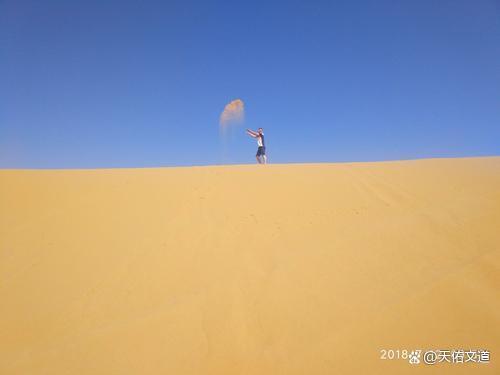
278,269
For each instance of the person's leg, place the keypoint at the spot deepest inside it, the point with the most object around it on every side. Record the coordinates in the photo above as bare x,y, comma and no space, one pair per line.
258,155
262,152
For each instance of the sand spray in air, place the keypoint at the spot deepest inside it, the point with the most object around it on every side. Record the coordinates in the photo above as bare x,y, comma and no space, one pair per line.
232,115
230,121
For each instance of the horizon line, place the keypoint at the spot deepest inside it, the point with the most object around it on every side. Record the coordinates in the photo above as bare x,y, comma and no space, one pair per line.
254,164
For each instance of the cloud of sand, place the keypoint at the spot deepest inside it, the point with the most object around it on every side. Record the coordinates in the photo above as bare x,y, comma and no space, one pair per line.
234,113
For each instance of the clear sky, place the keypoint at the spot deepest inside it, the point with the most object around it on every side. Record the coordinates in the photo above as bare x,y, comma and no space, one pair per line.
126,83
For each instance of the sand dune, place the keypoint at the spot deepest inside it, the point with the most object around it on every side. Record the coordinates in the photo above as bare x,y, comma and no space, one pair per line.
278,269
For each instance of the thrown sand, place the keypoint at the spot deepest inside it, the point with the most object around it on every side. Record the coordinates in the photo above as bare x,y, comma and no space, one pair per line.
278,269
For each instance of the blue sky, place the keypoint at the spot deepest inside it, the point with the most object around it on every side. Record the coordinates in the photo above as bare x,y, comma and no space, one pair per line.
125,83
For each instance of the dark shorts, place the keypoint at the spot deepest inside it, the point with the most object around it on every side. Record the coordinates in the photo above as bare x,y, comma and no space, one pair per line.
261,151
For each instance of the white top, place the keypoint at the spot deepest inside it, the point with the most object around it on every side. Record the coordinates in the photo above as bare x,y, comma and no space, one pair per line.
259,141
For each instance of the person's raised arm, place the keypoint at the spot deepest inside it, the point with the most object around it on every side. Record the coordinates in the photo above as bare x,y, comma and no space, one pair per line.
251,133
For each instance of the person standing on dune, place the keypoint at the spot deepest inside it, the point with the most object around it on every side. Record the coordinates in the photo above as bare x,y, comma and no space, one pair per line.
261,150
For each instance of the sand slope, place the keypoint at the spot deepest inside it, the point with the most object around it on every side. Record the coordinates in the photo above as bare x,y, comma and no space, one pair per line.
282,269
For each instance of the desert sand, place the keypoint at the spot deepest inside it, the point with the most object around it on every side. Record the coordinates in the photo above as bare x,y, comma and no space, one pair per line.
247,269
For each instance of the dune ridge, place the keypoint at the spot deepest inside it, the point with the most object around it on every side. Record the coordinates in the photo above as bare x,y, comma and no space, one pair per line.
277,269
